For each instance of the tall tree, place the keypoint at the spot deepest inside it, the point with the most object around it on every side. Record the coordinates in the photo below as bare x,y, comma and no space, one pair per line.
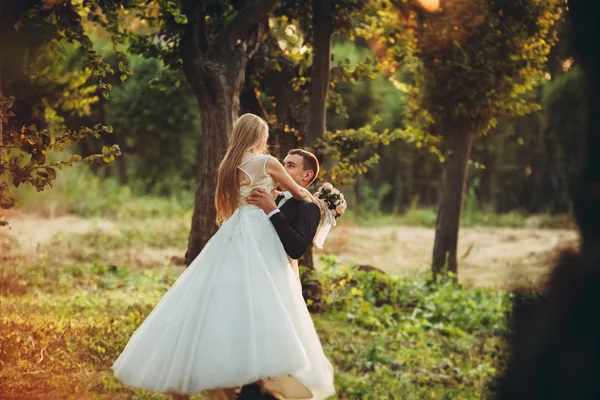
464,67
325,19
211,43
323,14
215,68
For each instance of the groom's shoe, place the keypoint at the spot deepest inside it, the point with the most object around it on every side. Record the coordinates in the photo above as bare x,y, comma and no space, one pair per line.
253,392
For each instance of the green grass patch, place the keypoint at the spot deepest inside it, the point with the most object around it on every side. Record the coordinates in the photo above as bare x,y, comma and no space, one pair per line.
398,338
427,217
79,191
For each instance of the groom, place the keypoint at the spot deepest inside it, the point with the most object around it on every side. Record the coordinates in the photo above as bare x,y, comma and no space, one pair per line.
295,221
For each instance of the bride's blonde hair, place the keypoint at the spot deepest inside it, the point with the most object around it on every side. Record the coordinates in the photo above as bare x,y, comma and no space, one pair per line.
250,133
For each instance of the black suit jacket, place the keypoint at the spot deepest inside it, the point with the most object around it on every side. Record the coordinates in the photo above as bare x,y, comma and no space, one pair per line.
296,225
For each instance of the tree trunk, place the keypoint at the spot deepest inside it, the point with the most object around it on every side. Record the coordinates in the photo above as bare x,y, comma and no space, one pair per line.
322,20
308,259
217,118
215,69
320,71
459,144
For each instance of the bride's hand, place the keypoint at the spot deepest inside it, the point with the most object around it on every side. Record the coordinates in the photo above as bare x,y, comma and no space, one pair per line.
275,193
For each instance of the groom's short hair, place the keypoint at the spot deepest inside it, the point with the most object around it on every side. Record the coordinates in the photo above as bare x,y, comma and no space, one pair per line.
310,162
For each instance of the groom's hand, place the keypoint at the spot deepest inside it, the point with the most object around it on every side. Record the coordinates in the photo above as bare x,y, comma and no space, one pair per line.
263,200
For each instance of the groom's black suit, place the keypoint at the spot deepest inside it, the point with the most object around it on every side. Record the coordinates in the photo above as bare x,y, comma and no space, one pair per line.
296,225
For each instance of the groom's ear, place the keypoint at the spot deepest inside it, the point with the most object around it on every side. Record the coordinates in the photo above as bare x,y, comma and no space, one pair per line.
309,175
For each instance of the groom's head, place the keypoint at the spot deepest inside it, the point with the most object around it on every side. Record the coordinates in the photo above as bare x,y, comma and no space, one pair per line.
302,166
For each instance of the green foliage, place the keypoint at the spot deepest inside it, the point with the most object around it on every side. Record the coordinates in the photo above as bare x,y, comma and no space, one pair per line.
349,144
344,14
34,33
426,217
473,61
562,121
363,96
531,163
78,191
159,121
372,198
420,217
376,300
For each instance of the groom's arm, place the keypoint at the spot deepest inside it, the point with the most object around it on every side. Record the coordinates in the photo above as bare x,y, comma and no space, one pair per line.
296,236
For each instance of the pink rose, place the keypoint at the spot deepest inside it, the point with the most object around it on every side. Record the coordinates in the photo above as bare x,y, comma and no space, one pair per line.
327,185
335,191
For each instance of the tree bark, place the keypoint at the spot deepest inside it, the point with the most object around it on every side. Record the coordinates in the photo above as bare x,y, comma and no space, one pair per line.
215,70
459,144
216,118
322,19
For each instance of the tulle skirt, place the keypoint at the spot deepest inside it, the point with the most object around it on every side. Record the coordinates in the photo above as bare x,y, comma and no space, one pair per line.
235,316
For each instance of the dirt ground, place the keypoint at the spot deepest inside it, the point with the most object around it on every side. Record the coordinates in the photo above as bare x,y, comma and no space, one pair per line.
487,256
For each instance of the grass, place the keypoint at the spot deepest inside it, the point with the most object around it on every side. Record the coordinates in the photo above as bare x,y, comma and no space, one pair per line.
78,191
426,217
65,318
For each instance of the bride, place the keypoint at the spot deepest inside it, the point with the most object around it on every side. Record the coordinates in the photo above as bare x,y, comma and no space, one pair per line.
236,315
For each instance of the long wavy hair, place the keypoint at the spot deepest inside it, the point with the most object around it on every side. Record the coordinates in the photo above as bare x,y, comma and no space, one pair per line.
250,134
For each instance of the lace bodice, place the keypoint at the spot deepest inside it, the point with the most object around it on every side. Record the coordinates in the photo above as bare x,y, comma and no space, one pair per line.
254,168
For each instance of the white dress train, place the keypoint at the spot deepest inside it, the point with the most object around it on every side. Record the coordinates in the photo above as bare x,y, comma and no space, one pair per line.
235,316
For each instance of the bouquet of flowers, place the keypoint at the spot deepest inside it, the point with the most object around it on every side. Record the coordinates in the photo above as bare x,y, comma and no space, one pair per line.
336,204
333,198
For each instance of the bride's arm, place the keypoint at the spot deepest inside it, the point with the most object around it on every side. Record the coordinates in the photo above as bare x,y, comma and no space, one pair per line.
277,172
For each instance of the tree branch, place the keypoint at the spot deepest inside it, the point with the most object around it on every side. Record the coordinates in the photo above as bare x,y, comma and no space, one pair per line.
245,19
194,39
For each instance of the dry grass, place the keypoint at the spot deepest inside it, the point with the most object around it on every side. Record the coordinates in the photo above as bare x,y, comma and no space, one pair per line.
504,257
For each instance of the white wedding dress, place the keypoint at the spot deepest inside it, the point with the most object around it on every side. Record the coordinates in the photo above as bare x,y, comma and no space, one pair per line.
235,316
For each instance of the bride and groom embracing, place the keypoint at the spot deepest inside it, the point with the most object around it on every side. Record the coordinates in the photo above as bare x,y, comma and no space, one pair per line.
236,318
